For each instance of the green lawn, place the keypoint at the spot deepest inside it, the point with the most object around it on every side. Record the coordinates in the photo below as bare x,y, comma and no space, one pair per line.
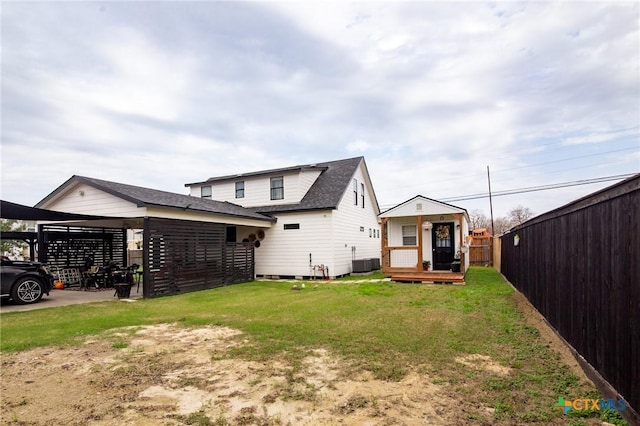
386,328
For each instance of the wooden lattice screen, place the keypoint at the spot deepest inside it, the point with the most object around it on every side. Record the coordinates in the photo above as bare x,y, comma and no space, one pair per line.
182,256
69,246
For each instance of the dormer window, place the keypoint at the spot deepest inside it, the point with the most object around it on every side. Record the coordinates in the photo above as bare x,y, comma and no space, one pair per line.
240,189
277,188
205,192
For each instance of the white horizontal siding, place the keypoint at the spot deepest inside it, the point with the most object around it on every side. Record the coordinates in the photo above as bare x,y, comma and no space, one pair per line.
257,191
85,199
421,206
307,179
206,217
394,230
286,252
348,221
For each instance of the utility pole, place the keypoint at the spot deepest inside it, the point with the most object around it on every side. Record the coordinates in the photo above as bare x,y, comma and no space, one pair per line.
493,232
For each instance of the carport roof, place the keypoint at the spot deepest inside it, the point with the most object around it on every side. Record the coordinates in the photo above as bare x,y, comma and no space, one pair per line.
9,210
147,197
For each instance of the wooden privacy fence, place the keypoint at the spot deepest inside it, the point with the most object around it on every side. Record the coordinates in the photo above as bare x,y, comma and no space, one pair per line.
184,256
579,266
481,252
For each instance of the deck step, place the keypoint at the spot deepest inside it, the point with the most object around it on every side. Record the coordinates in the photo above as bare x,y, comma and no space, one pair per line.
429,278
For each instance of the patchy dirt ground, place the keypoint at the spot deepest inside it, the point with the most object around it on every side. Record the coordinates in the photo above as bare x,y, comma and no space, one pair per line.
169,375
534,319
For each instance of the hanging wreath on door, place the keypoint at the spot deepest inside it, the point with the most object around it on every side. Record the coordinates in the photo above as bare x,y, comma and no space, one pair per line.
442,232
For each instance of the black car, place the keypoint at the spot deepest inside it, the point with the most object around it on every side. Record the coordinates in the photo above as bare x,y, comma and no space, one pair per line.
24,282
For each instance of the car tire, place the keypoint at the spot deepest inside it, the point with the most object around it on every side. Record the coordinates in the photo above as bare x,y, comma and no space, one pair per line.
27,290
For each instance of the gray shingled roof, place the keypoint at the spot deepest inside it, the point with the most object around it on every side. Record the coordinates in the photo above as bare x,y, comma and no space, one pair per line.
327,190
146,197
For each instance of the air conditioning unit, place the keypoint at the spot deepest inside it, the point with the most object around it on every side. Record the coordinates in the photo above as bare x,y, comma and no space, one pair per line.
375,264
362,265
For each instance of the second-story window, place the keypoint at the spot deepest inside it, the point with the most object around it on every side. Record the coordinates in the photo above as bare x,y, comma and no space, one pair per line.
205,192
240,189
362,194
277,188
355,192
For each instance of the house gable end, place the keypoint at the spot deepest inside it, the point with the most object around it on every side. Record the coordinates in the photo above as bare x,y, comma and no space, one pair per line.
420,205
140,197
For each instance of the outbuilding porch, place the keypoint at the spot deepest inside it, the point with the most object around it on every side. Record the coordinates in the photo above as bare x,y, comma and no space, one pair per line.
424,240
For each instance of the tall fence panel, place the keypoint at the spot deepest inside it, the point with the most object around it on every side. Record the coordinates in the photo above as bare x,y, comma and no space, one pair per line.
481,252
184,256
580,267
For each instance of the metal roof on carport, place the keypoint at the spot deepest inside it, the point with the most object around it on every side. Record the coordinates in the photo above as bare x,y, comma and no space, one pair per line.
9,210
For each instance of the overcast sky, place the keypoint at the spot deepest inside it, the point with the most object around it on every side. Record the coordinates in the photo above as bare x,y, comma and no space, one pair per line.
158,94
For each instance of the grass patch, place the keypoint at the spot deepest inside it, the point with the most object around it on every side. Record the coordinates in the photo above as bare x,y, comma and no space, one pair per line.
386,328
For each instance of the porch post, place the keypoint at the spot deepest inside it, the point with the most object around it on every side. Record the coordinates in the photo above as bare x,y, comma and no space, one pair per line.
462,255
420,259
146,267
385,257
42,245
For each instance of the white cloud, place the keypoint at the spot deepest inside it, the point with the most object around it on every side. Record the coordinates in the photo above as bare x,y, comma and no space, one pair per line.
158,94
358,146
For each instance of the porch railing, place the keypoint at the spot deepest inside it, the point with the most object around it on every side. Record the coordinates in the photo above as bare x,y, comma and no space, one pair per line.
400,258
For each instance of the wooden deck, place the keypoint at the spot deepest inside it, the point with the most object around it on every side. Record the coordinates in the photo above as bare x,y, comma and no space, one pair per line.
429,277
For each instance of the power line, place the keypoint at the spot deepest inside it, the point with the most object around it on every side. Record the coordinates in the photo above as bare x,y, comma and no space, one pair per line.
529,189
570,158
539,188
540,164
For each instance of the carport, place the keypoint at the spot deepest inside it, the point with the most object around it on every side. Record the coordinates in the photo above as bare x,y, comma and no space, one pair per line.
186,244
10,210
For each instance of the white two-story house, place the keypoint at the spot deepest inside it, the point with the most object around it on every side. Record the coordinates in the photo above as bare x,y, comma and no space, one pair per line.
326,216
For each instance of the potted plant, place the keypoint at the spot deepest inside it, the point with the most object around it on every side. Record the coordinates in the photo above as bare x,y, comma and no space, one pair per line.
426,265
455,265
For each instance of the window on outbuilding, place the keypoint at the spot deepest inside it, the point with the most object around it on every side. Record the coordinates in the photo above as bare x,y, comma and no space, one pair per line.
409,235
205,192
277,188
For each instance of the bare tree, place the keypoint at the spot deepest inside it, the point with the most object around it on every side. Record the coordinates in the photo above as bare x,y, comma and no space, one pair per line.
502,225
519,214
479,220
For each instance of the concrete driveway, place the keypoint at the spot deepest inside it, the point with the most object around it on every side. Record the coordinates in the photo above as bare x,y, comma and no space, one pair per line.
68,297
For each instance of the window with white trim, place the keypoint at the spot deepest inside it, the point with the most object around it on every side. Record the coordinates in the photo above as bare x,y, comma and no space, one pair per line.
240,189
205,192
355,192
409,235
362,194
277,188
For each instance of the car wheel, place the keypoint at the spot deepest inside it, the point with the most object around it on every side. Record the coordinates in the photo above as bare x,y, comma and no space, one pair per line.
27,290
